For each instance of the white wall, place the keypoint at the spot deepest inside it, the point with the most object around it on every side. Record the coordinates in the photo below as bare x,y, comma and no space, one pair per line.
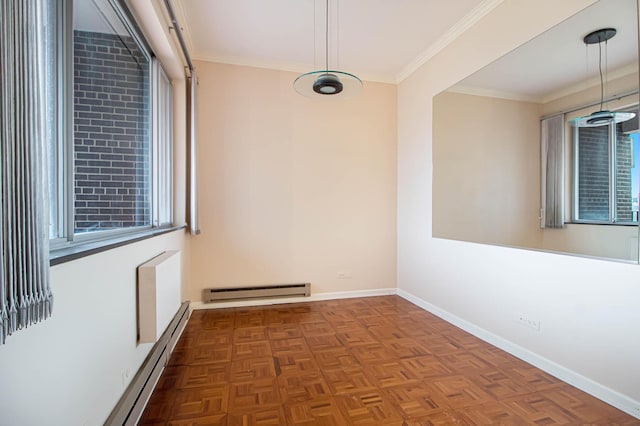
68,370
589,310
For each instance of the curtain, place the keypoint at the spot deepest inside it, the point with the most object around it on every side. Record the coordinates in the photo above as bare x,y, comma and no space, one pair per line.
25,294
552,173
194,225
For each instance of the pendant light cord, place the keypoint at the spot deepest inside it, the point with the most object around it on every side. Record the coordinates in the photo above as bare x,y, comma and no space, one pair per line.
601,80
326,39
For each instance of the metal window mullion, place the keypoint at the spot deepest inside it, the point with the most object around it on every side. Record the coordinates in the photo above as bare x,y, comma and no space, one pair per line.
576,178
613,208
66,210
155,143
122,12
168,170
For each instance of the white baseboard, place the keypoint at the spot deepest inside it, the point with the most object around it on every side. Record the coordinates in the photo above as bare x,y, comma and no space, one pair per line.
616,399
315,297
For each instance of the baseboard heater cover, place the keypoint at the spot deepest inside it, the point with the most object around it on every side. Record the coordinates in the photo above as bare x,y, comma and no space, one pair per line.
256,292
159,283
134,399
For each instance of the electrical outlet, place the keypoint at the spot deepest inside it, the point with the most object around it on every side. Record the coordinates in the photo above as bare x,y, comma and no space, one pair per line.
529,322
125,376
344,275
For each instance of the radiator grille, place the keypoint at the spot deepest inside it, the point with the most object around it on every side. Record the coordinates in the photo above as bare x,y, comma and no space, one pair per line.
256,292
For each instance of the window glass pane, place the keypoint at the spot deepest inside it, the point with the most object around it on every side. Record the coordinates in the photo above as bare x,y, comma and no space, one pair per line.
625,165
593,173
635,174
111,121
165,149
51,39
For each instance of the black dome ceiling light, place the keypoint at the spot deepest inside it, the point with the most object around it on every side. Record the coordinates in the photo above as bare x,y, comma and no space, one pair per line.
327,83
602,117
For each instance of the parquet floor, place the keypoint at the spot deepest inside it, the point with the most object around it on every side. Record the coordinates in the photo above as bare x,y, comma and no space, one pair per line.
366,361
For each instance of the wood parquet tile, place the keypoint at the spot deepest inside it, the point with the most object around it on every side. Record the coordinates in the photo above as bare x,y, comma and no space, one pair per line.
415,401
369,408
303,387
322,411
364,361
260,392
348,380
301,363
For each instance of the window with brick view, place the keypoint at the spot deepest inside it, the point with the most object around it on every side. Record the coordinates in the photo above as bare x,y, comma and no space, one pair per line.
111,137
593,186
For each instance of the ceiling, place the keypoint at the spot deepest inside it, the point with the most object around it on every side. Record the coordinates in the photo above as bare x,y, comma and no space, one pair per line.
385,40
558,62
379,40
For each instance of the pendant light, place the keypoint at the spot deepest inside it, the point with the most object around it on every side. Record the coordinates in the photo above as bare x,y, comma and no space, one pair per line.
602,117
327,83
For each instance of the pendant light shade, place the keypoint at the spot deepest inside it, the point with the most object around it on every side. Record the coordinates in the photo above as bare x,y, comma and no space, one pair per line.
602,117
328,84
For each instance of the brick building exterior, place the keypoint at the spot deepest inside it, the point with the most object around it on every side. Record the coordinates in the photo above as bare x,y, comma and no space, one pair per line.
593,172
111,132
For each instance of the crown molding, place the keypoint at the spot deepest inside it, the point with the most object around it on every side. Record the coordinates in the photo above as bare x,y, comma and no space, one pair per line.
282,66
477,91
591,83
453,33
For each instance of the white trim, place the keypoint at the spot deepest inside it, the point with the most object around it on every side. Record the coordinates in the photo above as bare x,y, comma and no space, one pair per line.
589,84
453,33
315,297
585,384
181,17
283,66
479,91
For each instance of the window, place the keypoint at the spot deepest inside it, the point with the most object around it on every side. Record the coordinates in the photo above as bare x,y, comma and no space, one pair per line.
110,166
606,178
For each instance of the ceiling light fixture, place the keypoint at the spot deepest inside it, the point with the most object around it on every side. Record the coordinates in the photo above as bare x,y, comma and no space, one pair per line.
327,83
602,117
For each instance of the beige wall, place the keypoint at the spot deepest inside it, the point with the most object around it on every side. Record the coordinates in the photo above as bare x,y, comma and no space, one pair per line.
486,170
479,196
293,189
585,306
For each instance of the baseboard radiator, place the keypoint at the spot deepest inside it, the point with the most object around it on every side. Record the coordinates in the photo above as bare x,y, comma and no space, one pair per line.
159,287
256,292
161,319
129,409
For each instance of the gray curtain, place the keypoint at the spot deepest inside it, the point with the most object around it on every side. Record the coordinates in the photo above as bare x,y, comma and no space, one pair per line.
552,173
25,294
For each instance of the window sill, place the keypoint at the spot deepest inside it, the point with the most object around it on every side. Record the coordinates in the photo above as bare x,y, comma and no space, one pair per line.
67,254
601,223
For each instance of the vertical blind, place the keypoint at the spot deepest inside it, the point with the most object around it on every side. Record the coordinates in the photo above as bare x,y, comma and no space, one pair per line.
25,294
194,222
552,172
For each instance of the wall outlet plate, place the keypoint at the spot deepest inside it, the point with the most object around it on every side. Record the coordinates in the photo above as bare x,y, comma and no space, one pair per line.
529,322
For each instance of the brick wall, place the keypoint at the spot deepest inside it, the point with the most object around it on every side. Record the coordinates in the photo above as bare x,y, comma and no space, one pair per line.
623,176
111,133
593,185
